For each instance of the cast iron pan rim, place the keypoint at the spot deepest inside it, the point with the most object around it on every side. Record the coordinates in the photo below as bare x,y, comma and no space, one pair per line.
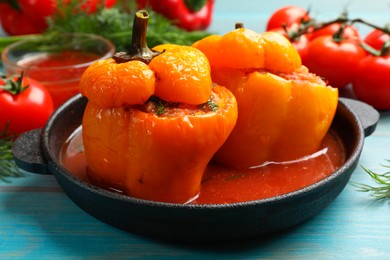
56,168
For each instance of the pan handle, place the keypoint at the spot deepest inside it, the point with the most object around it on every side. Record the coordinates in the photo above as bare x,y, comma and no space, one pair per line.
367,115
27,152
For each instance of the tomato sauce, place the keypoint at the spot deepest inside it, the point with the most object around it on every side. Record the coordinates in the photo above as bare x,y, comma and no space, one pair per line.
59,72
223,185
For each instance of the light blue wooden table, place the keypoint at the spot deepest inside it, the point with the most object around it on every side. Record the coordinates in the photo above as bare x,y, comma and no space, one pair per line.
38,221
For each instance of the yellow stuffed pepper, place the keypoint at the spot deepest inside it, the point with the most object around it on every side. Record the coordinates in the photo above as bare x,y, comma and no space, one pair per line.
284,111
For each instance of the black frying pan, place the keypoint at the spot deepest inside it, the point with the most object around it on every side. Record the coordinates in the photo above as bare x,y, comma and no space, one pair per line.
38,151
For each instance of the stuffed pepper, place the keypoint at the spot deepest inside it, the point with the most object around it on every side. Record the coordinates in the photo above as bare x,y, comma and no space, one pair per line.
284,111
154,119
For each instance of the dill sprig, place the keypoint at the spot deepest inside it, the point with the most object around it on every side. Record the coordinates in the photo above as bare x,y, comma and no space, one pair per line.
382,189
8,167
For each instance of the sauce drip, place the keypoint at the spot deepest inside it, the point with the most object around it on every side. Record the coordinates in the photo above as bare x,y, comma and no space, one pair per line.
223,185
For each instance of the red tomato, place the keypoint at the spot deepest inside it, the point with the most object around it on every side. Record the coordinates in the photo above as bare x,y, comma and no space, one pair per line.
372,81
376,38
287,16
349,31
27,110
335,61
10,17
300,43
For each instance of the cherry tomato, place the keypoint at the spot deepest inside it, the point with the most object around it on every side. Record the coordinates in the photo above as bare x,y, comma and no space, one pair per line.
349,31
10,17
376,38
300,43
26,110
372,81
335,61
287,16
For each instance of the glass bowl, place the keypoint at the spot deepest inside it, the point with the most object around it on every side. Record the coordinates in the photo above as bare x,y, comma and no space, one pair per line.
56,61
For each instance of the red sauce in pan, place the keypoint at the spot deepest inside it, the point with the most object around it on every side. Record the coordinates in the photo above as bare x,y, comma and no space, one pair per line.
224,185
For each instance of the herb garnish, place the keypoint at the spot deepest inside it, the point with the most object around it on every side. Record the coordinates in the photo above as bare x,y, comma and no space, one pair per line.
213,106
160,104
8,167
382,190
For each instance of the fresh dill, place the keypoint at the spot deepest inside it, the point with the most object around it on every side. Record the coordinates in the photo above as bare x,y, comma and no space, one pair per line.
160,104
8,167
382,189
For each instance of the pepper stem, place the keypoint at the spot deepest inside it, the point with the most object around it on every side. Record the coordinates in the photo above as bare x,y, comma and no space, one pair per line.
195,5
238,25
139,49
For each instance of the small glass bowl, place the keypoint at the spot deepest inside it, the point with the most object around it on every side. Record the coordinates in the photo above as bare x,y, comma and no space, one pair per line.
57,62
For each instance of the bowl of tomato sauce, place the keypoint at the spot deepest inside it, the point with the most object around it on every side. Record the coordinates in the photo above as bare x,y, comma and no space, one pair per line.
231,205
56,61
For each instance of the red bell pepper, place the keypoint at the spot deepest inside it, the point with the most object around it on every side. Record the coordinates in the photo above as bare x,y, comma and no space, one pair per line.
190,15
29,16
15,22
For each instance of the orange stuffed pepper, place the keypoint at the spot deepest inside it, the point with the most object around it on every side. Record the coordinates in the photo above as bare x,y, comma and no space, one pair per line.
284,111
154,120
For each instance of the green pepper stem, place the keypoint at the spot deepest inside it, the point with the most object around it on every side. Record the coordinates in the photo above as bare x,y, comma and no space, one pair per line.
195,5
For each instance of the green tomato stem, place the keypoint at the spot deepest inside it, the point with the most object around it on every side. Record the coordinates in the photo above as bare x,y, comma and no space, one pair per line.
14,87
